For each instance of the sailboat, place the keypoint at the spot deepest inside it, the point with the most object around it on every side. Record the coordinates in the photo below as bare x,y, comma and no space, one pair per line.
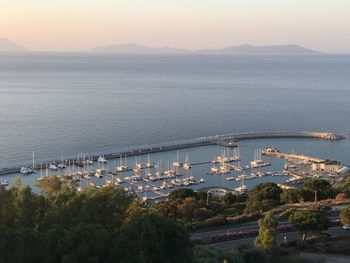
26,170
242,188
177,163
187,164
61,165
101,159
121,167
148,164
214,169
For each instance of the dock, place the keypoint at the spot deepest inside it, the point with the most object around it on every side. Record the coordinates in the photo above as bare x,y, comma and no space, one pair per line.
299,157
222,139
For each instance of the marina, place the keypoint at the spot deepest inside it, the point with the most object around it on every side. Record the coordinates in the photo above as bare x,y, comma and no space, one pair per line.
155,174
184,144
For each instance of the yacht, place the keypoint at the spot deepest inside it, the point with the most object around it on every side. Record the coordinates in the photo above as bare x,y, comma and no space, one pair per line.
102,159
187,164
53,166
4,182
177,163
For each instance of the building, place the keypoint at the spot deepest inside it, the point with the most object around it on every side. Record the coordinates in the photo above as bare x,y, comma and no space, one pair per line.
327,166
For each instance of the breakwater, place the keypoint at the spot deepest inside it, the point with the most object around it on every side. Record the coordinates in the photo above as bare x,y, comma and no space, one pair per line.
183,144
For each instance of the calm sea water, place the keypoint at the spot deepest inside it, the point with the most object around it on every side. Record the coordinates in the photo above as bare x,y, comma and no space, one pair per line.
86,103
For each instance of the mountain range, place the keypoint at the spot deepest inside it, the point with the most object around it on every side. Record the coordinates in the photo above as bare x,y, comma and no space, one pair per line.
241,49
10,46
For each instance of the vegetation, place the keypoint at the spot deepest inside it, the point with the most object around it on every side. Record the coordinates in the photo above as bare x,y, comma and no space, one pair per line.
320,188
95,225
110,225
263,197
309,221
345,216
267,232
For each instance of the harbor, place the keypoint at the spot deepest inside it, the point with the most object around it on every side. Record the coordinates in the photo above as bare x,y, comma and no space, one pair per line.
154,172
226,140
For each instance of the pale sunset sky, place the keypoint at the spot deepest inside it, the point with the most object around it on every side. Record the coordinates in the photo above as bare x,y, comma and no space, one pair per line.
78,25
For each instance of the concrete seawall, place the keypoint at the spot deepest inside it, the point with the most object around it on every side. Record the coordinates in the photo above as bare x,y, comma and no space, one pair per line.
183,144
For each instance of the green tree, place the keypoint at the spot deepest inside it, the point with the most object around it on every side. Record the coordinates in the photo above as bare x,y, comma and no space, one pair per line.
290,196
211,254
267,232
263,197
309,221
152,238
345,216
321,188
51,187
187,207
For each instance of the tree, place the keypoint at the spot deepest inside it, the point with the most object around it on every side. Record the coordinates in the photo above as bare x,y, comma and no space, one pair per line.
187,207
308,221
52,187
263,197
290,196
181,194
267,232
211,254
152,238
345,216
321,188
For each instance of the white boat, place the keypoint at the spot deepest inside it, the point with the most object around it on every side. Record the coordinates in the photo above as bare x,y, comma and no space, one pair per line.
98,175
242,188
177,164
89,161
102,159
61,165
53,166
26,170
214,169
231,178
148,164
4,182
187,164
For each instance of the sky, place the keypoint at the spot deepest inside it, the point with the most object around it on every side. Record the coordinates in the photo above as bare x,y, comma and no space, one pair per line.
78,25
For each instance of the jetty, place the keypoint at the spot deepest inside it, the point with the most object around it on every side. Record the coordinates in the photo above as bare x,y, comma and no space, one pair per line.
223,140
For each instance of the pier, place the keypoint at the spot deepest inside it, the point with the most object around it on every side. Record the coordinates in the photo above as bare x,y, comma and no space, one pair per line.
295,157
222,139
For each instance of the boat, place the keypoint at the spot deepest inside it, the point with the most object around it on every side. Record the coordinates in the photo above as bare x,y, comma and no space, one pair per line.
148,164
89,161
177,163
4,182
258,162
121,167
214,169
187,164
101,159
61,165
53,166
242,189
26,170
231,178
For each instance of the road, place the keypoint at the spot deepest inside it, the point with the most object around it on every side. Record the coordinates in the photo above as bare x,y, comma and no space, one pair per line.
280,238
220,230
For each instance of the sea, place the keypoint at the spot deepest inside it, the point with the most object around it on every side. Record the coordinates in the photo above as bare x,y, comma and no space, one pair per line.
71,103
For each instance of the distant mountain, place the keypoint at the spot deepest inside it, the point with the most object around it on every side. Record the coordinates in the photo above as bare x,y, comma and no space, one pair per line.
261,50
9,46
137,49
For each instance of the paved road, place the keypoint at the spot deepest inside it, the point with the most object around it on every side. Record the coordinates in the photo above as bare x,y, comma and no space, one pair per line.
280,238
220,230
